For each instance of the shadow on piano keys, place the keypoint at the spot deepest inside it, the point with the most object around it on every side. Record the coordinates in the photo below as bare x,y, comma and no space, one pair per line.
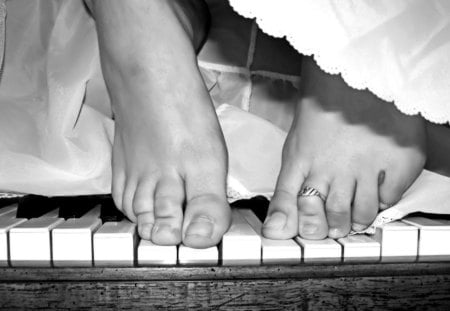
80,253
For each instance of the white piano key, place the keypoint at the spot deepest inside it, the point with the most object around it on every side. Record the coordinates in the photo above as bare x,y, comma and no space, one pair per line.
326,250
9,211
434,237
360,247
398,241
30,241
273,251
241,245
6,223
114,244
150,254
72,240
195,256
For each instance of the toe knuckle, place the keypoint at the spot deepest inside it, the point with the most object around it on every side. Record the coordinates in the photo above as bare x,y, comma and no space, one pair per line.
141,205
284,194
308,210
146,219
165,203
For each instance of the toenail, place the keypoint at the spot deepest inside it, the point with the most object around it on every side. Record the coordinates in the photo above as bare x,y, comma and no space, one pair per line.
309,229
275,221
334,233
201,226
384,206
163,229
358,227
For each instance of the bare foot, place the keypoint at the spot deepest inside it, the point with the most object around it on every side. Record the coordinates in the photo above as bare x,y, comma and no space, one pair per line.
359,152
169,152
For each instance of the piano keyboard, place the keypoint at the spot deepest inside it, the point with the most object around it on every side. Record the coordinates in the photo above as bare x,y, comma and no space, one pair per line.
54,235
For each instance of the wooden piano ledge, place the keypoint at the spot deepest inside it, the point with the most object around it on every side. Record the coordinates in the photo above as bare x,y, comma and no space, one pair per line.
300,287
263,272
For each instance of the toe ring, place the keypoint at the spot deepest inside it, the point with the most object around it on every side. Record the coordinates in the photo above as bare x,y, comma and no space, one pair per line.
307,191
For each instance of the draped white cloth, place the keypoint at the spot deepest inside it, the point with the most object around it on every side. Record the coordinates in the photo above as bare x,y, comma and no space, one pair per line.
399,50
56,124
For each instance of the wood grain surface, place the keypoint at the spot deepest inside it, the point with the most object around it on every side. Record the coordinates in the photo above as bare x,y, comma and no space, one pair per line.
394,286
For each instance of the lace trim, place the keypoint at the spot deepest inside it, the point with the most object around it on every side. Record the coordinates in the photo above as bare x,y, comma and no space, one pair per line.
11,195
220,110
383,218
236,191
306,43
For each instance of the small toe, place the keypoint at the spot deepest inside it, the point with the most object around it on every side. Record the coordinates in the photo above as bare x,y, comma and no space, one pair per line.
117,188
118,178
127,200
396,179
391,189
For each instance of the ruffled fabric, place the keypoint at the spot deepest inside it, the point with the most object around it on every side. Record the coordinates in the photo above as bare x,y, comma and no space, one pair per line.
399,50
55,136
56,125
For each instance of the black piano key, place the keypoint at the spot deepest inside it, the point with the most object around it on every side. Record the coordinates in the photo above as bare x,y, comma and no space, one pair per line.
77,206
430,216
8,201
109,211
259,205
32,206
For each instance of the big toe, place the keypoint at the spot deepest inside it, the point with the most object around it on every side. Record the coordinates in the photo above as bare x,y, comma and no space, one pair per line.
207,218
282,217
281,220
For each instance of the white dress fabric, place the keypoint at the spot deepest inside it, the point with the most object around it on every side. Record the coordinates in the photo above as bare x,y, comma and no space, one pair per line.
398,49
56,123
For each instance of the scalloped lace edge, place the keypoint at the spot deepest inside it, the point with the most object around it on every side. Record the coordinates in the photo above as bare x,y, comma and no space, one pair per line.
352,78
